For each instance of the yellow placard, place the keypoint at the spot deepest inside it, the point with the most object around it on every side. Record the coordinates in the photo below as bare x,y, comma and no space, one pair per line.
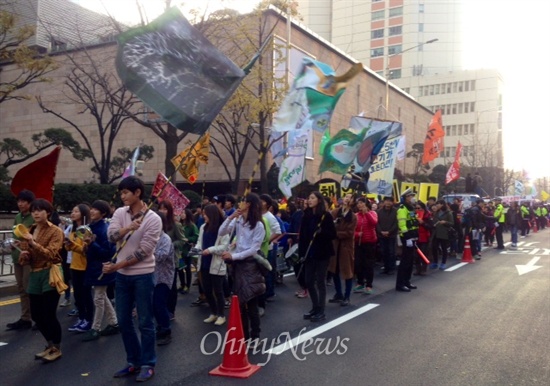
328,189
427,190
411,185
395,191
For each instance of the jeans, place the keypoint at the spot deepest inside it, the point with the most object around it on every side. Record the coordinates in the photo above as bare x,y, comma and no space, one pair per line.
160,309
213,289
514,231
136,290
316,274
444,244
387,245
44,313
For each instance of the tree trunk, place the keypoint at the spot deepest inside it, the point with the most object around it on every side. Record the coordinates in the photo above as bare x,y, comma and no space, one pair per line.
171,142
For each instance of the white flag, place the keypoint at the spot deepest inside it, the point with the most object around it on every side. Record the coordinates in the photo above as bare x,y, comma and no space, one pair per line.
401,146
518,185
291,172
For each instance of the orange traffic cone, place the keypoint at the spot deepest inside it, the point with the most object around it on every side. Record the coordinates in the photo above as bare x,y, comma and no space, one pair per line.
235,358
535,227
467,253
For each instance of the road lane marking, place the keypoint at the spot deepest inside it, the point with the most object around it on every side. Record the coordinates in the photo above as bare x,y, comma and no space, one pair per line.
529,267
8,302
534,251
3,344
456,266
319,330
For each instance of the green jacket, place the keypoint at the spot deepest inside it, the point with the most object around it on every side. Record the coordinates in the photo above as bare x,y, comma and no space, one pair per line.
27,221
499,214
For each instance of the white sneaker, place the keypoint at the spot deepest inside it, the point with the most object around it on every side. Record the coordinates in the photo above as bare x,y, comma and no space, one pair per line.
210,319
65,303
219,321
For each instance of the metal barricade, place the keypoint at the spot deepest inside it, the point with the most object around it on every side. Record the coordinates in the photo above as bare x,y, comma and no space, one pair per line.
6,262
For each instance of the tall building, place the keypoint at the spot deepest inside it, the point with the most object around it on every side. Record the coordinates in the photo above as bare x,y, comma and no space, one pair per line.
396,38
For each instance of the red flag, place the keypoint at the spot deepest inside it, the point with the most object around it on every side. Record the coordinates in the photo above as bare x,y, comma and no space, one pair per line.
454,171
38,176
170,193
433,144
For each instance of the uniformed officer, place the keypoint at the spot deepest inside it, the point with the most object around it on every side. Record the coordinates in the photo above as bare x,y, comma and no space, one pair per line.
500,219
408,232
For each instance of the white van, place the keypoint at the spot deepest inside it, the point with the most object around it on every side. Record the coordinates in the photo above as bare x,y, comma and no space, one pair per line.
468,199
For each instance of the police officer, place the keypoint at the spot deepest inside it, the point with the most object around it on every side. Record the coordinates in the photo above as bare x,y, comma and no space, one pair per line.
408,232
500,219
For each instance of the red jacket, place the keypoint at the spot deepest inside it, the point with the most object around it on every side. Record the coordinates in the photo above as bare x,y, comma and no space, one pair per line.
366,227
424,229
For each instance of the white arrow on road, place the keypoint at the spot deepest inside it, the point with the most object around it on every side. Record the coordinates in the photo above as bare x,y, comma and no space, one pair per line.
530,266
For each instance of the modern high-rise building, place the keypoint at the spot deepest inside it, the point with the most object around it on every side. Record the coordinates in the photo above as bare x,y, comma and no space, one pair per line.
417,44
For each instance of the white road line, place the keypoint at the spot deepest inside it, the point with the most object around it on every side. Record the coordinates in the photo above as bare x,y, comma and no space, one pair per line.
455,267
508,243
319,330
534,251
3,344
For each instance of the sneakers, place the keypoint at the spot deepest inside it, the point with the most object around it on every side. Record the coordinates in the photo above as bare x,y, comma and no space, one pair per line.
302,294
211,319
42,354
198,302
358,289
261,311
128,370
227,304
336,299
442,267
368,290
344,303
19,325
478,256
73,312
74,326
109,330
514,246
91,335
220,321
163,340
433,266
85,326
65,303
145,374
52,355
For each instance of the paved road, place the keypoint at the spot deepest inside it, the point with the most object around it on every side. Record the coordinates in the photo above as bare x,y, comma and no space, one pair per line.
479,324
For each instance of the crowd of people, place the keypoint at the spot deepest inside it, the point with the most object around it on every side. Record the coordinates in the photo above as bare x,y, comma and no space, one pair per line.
124,265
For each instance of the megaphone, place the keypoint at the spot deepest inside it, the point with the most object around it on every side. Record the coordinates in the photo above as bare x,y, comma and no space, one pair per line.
20,231
83,232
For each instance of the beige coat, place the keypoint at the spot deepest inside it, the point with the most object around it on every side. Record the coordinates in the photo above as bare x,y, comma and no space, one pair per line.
344,246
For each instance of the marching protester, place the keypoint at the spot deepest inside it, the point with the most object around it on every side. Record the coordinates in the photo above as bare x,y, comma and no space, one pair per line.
211,267
315,246
40,250
341,263
387,234
365,245
22,271
98,251
137,230
248,282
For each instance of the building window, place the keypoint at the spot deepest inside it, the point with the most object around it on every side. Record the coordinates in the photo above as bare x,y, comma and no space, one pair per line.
466,127
420,27
377,34
443,89
421,8
393,50
448,109
472,106
453,130
431,89
448,88
396,12
460,107
378,15
407,90
398,30
436,89
454,87
377,52
395,74
381,73
454,108
459,129
473,85
460,86
58,45
472,128
447,131
467,85
466,107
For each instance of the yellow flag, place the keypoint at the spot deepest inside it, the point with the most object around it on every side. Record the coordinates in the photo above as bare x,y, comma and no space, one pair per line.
544,196
189,169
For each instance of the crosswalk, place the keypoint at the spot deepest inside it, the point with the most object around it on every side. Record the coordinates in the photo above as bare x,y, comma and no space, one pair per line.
524,247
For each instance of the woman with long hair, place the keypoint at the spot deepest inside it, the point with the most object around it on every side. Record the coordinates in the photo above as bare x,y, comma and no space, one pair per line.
341,263
425,226
191,235
84,301
443,219
211,267
317,231
365,245
40,249
248,281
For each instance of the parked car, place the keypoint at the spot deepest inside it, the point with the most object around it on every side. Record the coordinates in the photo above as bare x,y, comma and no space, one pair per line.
468,199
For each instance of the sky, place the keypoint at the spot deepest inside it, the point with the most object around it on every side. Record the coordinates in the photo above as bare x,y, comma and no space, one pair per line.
509,35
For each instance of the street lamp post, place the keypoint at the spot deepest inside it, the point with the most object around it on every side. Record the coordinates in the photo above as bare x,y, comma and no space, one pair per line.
388,57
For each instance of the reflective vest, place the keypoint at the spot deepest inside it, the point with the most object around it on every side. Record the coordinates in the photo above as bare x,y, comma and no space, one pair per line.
499,214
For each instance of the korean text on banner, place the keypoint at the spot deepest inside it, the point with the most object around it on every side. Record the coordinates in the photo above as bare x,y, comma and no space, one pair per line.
381,172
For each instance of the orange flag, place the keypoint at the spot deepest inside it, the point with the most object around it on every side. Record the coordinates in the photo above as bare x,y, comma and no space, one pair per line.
454,171
199,153
433,144
38,176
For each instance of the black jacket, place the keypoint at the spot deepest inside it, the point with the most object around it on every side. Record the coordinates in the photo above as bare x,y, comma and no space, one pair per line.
321,248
